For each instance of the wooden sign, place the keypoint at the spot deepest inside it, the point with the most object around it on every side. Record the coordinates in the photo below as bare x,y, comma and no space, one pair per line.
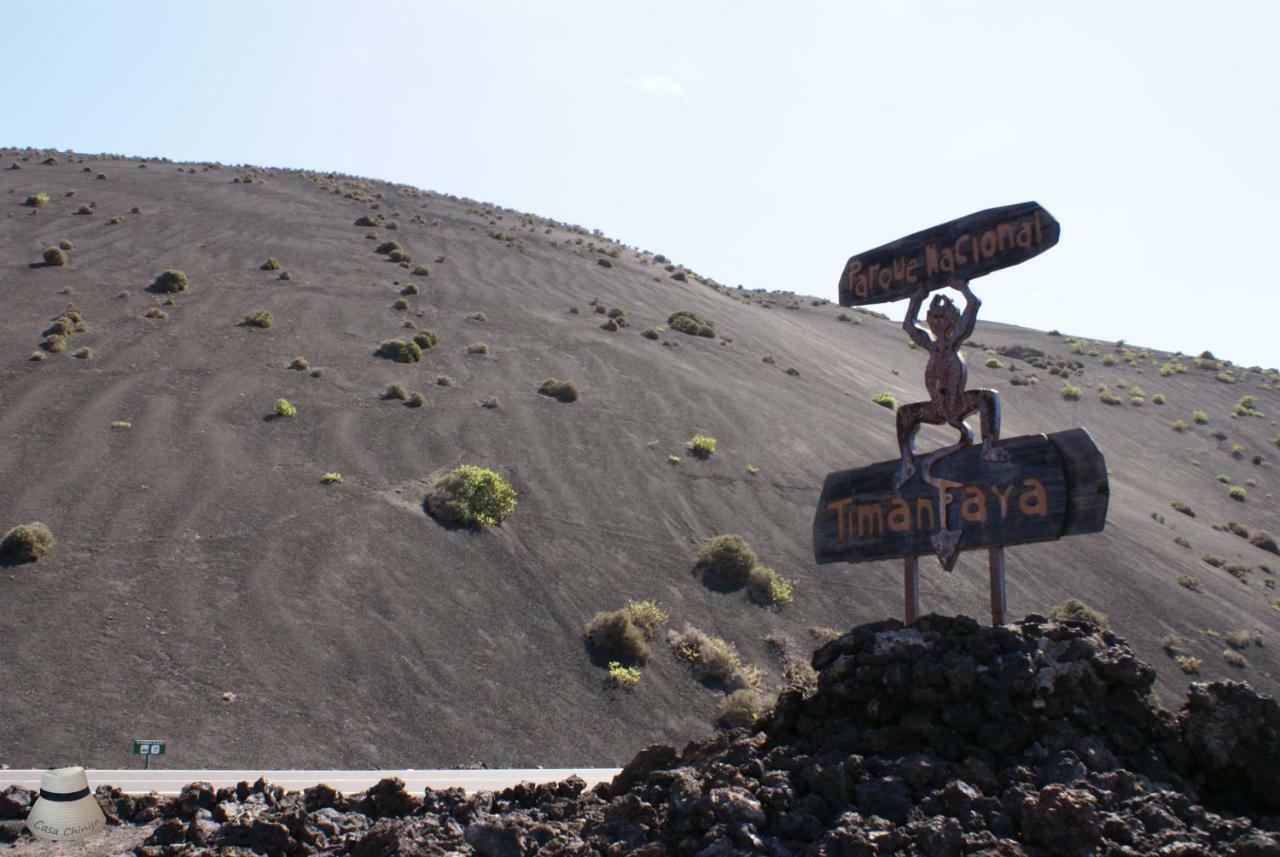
1050,486
957,251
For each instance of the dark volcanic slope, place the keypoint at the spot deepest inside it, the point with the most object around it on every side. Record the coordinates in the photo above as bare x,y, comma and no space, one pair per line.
198,553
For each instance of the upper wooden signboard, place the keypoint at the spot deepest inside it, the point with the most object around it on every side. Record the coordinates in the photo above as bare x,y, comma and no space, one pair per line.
960,250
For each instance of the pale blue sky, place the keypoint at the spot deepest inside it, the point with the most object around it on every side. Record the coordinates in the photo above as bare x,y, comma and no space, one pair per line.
759,144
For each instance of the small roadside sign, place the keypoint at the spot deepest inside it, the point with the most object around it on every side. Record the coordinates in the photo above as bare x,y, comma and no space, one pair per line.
146,748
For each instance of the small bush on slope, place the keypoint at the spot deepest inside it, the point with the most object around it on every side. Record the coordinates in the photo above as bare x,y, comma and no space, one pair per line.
472,495
27,542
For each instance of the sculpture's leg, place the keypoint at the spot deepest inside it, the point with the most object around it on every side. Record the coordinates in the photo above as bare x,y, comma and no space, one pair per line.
987,404
909,419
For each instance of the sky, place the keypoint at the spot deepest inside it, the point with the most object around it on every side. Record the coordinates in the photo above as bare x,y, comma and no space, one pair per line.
760,144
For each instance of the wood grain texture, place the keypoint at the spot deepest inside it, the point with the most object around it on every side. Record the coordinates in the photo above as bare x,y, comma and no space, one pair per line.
1051,486
961,249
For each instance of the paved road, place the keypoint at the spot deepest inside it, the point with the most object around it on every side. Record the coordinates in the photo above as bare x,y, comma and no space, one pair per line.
137,781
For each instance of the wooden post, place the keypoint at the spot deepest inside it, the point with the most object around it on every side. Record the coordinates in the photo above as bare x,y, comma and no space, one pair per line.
911,586
996,565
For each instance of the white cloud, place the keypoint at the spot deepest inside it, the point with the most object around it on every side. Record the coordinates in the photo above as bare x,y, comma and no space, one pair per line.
656,84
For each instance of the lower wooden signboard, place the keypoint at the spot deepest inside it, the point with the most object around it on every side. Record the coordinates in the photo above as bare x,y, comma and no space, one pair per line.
1049,486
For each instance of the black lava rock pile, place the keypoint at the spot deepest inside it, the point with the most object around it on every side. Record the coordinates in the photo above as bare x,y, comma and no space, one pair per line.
942,738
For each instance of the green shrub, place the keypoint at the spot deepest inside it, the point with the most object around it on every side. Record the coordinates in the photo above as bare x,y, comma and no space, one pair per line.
673,459
646,615
702,446
650,333
1189,582
1264,540
410,290
37,199
421,271
331,477
1108,397
259,318
272,264
386,248
1200,417
83,353
300,364
39,356
624,677
1158,399
170,281
27,542
399,350
285,275
285,408
477,316
1074,610
472,495
1189,664
727,558
885,400
1070,392
564,391
1236,492
426,339
740,708
767,587
614,633
400,303
55,257
994,363
609,325
478,348
395,391
713,659
1179,506
1179,426
65,244
690,323
416,400
1234,658
444,381
55,344
1223,478
1215,561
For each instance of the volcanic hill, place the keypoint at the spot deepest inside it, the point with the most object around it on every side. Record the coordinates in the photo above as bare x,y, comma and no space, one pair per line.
209,587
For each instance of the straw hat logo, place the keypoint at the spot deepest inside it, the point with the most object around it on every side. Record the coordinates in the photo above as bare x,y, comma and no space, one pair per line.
65,809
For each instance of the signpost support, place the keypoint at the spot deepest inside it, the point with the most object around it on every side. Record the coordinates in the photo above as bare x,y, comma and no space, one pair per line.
995,560
911,586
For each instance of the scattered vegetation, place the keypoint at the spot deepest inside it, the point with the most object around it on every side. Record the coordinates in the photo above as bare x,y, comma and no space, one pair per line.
285,408
400,350
646,615
766,586
1200,418
170,281
564,391
1237,493
885,400
1179,506
1264,540
444,381
27,542
702,446
395,391
156,312
994,363
259,318
713,659
331,477
426,339
299,364
478,348
474,496
1070,392
727,558
691,323
1192,583
1074,610
614,633
1188,663
55,257
625,677
1234,658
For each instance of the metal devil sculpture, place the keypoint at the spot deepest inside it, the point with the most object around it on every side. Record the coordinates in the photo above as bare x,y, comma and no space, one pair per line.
1003,492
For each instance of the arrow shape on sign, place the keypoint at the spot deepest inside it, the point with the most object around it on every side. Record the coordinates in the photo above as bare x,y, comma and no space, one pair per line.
946,544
